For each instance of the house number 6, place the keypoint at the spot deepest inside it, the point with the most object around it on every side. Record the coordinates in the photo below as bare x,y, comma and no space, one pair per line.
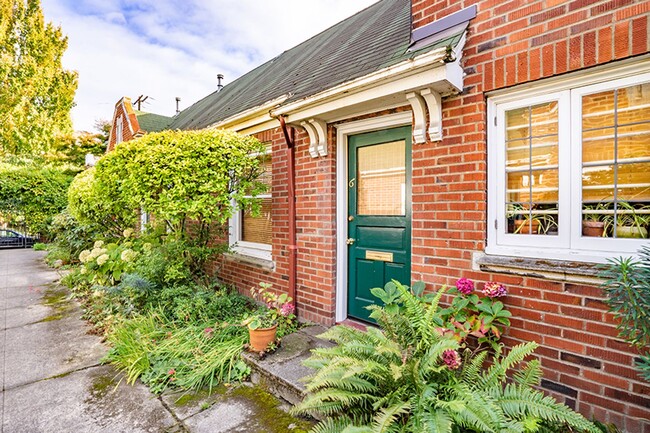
351,183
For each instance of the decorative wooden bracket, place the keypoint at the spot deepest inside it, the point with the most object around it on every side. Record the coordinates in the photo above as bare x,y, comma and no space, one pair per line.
420,116
434,106
426,101
317,131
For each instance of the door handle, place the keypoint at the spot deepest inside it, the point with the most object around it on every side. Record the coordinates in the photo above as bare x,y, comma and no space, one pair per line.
350,241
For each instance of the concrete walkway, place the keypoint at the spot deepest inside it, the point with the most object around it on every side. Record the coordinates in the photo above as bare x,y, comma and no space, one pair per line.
52,380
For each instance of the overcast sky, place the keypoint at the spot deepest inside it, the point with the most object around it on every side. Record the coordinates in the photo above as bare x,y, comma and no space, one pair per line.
168,48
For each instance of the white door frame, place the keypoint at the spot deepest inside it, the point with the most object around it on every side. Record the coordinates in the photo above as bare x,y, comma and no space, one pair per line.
342,132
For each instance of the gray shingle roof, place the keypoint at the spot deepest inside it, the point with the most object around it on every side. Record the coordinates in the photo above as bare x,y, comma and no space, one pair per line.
372,39
151,122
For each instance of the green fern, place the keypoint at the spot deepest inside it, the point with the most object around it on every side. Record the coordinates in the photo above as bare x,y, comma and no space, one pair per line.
394,379
384,421
530,375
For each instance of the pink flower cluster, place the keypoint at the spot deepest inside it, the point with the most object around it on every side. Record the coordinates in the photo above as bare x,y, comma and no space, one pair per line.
451,358
287,309
492,289
465,286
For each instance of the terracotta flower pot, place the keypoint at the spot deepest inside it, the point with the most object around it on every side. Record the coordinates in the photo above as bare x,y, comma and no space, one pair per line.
593,228
523,227
261,338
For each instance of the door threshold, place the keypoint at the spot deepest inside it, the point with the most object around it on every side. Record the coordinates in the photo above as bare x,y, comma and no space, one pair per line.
356,324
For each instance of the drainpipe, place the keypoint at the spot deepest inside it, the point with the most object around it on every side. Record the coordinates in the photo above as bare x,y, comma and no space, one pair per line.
289,138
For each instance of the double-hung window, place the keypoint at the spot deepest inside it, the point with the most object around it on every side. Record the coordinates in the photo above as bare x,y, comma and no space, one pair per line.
252,235
569,167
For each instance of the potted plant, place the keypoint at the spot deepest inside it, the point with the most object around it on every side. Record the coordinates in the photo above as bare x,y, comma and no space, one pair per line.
548,224
263,325
593,220
524,223
630,223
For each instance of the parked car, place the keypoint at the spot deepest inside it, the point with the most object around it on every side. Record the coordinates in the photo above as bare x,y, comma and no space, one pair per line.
12,239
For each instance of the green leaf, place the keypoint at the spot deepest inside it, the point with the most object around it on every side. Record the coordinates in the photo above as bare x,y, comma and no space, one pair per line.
418,288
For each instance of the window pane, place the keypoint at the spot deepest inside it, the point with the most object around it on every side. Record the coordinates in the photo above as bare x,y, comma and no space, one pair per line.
598,110
267,175
634,182
544,152
616,157
633,104
532,169
381,179
258,229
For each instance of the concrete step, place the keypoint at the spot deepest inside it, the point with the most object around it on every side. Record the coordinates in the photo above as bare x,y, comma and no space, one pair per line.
281,372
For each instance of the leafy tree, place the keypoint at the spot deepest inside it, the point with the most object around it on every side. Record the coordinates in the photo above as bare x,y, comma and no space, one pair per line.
72,148
31,196
36,93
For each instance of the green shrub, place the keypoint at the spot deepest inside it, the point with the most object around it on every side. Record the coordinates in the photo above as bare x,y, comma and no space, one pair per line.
99,206
411,377
627,287
30,196
70,237
38,246
483,317
190,303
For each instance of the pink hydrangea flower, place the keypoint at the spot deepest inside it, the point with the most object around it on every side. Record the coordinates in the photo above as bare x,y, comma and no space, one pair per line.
451,358
492,289
465,286
287,309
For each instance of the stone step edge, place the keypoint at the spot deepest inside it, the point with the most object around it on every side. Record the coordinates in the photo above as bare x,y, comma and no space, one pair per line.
274,384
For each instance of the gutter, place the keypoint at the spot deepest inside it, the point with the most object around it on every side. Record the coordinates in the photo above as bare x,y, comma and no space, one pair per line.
289,138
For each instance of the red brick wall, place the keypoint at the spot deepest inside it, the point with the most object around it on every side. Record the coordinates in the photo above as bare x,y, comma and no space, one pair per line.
315,230
509,43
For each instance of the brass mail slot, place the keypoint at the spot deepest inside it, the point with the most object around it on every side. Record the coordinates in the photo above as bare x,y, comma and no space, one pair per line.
379,255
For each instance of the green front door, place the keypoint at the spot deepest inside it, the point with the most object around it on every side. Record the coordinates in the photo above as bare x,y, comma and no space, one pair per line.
379,214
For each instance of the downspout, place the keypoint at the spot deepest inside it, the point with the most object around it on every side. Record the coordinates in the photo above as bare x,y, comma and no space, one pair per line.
289,138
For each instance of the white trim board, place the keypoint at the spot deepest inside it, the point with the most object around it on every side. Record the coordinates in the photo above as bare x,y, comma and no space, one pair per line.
342,132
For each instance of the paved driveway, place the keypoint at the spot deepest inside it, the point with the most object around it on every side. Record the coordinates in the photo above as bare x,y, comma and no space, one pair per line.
52,380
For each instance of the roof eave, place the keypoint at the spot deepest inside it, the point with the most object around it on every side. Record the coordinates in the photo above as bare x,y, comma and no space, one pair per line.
412,73
245,117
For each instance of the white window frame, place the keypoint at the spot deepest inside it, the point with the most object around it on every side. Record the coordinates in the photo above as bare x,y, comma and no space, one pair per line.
145,218
569,244
250,249
119,129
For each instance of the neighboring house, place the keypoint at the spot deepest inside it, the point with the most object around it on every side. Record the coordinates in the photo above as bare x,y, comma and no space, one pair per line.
419,137
129,123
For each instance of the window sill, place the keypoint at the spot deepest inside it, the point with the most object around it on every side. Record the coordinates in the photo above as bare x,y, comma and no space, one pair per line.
556,270
257,262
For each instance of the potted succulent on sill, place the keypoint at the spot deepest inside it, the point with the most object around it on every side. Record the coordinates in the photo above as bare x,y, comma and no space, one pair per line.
632,224
263,325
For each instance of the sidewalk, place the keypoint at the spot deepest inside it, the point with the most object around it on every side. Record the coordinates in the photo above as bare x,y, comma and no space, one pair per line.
52,380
